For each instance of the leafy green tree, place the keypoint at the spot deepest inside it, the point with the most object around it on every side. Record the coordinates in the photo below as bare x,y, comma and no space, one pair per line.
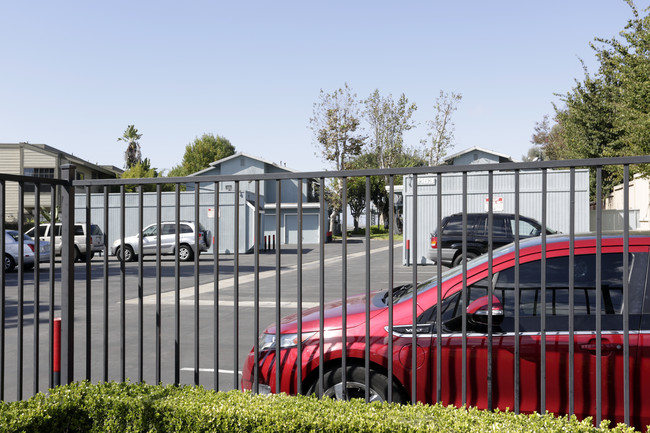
547,142
440,137
335,125
132,155
378,194
388,120
201,152
606,114
140,170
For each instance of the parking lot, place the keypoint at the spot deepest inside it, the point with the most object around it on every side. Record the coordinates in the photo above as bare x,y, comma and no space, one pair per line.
228,308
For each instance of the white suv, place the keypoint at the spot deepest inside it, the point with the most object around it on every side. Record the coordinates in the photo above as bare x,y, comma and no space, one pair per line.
96,239
186,250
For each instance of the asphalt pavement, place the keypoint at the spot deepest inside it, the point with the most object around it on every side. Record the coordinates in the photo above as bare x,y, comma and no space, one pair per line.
114,351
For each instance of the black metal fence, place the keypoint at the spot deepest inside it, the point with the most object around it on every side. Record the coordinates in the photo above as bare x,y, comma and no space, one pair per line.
142,321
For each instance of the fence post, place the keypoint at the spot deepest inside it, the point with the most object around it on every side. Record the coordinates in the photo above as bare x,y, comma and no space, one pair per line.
67,274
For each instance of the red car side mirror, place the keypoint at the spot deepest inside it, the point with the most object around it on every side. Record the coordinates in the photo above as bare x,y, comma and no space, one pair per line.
478,311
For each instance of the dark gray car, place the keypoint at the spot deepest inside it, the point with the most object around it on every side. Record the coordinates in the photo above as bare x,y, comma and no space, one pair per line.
503,232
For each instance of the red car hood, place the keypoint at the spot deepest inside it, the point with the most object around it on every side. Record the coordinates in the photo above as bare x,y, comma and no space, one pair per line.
356,315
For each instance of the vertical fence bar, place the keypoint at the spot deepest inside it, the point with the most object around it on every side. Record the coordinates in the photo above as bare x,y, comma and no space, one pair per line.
51,300
599,258
256,296
177,294
543,312
122,285
344,288
158,283
414,337
278,283
490,343
215,276
299,287
88,257
572,188
236,291
517,299
626,292
367,336
20,267
106,285
391,283
197,252
464,289
439,291
37,285
67,274
321,288
140,326
3,291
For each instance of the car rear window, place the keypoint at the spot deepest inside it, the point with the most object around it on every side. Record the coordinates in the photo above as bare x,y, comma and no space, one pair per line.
95,230
454,226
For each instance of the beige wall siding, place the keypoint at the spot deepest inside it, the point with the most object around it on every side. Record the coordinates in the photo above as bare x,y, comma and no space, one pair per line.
34,159
10,161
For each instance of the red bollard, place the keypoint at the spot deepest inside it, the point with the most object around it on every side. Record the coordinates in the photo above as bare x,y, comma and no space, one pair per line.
56,351
273,242
408,252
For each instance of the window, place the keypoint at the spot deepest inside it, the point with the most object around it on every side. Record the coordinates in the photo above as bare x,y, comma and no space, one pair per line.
38,172
526,228
557,286
169,229
150,231
557,294
454,225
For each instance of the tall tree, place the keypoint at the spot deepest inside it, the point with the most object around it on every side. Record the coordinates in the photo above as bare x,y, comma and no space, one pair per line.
440,137
201,152
335,125
378,184
388,121
547,142
140,170
606,114
132,155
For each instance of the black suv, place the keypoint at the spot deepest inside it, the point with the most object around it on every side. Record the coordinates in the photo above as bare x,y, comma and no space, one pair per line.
503,232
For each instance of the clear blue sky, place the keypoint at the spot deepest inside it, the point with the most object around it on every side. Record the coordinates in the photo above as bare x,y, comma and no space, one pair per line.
73,75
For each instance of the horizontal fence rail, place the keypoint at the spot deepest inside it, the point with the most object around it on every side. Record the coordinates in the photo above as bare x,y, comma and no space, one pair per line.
236,282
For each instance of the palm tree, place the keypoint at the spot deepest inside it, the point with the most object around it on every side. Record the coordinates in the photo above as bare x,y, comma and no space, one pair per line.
132,156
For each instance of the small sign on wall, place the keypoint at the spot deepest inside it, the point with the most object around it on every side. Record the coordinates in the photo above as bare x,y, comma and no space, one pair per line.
210,213
497,204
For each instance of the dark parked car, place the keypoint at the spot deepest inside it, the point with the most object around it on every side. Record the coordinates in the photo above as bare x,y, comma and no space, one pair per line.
503,233
593,296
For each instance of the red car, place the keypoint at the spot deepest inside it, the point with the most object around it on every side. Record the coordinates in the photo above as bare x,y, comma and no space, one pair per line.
531,306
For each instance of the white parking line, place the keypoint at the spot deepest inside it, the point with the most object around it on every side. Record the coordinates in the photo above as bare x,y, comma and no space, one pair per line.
167,298
210,370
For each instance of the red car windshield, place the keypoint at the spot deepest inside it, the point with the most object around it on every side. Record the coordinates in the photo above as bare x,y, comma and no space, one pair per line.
402,293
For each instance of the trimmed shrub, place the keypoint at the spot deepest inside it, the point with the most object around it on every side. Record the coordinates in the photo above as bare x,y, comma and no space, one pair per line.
128,407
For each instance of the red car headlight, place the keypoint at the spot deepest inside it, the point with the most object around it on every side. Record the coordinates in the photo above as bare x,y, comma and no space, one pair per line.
267,341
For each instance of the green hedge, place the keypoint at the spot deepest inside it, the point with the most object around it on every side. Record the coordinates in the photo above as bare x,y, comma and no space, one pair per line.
127,407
